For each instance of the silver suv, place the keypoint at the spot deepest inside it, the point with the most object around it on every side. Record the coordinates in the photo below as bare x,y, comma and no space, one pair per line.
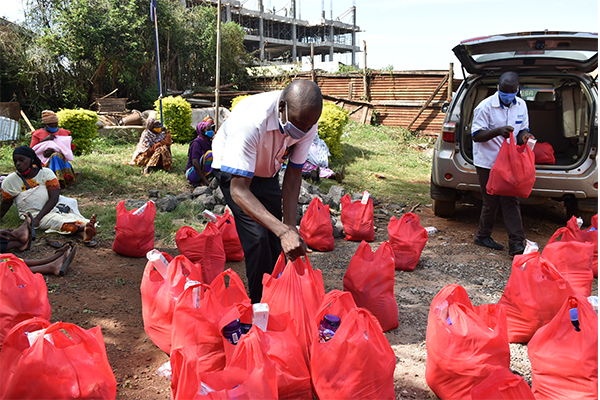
562,96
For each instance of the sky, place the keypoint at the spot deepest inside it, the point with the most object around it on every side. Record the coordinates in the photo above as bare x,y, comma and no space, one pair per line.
413,35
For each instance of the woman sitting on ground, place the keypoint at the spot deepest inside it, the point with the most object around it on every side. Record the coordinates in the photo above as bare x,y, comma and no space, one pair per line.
199,166
20,240
317,163
36,192
154,147
54,148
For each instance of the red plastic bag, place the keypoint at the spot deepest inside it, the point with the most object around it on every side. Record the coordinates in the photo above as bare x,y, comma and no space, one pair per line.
282,346
589,235
231,240
564,361
502,385
357,219
197,339
205,248
316,228
465,344
57,361
251,375
358,361
370,279
159,295
23,294
134,233
408,238
296,288
573,259
513,173
544,153
534,293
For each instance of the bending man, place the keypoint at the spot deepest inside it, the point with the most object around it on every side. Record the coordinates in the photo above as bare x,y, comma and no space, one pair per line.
263,132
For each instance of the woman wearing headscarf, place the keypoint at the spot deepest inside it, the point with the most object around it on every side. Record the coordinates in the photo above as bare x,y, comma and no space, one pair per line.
54,148
154,147
199,166
35,191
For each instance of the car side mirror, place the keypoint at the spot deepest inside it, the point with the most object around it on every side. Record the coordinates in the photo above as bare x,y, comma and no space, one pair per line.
445,107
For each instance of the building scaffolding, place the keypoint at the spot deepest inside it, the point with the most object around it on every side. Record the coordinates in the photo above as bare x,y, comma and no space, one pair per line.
272,37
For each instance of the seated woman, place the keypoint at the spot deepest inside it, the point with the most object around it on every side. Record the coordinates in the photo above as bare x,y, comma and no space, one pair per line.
54,148
154,147
20,239
199,166
36,190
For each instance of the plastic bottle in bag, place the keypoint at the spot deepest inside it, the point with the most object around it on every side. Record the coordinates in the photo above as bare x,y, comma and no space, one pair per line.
327,327
233,331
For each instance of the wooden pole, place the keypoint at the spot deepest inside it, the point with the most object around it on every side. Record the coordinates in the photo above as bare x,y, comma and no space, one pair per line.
313,76
218,65
450,82
365,86
437,89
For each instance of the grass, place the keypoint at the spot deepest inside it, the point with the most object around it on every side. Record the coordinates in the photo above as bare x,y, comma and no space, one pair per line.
389,162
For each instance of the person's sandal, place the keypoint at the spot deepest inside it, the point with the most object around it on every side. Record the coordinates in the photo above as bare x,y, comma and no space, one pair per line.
67,262
55,243
90,243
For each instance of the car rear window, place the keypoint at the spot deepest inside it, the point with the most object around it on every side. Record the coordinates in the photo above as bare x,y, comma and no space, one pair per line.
550,54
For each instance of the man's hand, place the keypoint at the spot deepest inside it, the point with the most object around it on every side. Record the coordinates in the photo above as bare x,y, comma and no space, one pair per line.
524,136
292,244
505,131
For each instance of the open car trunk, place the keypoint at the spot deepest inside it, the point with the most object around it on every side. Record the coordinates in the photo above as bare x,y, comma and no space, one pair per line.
561,112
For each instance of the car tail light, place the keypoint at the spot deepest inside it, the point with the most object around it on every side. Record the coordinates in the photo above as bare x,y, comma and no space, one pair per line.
596,185
448,132
447,176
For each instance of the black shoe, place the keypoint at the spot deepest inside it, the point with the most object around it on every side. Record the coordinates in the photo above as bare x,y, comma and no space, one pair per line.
516,249
488,242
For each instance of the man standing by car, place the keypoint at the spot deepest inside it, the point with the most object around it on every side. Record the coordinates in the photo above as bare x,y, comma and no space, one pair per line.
502,115
263,132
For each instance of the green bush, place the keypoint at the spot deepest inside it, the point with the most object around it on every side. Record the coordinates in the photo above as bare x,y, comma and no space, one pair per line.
177,115
82,124
237,99
331,126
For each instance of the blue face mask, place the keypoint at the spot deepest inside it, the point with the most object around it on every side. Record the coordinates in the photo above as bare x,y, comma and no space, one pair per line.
209,133
289,128
52,130
507,98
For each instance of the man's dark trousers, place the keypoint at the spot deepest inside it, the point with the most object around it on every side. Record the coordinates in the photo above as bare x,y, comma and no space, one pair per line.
261,246
511,211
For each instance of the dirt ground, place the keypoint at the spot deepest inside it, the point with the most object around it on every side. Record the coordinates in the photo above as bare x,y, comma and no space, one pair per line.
103,288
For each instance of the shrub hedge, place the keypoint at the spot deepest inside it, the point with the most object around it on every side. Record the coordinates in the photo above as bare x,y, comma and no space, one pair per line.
82,124
331,126
177,115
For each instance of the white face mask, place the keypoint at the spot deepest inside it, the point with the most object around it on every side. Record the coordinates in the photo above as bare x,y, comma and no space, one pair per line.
289,128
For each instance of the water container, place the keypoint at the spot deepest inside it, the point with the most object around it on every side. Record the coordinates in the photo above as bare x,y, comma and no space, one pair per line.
233,331
327,327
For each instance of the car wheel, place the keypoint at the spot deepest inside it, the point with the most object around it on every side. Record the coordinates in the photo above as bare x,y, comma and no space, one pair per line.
573,210
443,208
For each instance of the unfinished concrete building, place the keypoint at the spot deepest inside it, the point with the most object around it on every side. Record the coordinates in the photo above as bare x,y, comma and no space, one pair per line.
273,37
